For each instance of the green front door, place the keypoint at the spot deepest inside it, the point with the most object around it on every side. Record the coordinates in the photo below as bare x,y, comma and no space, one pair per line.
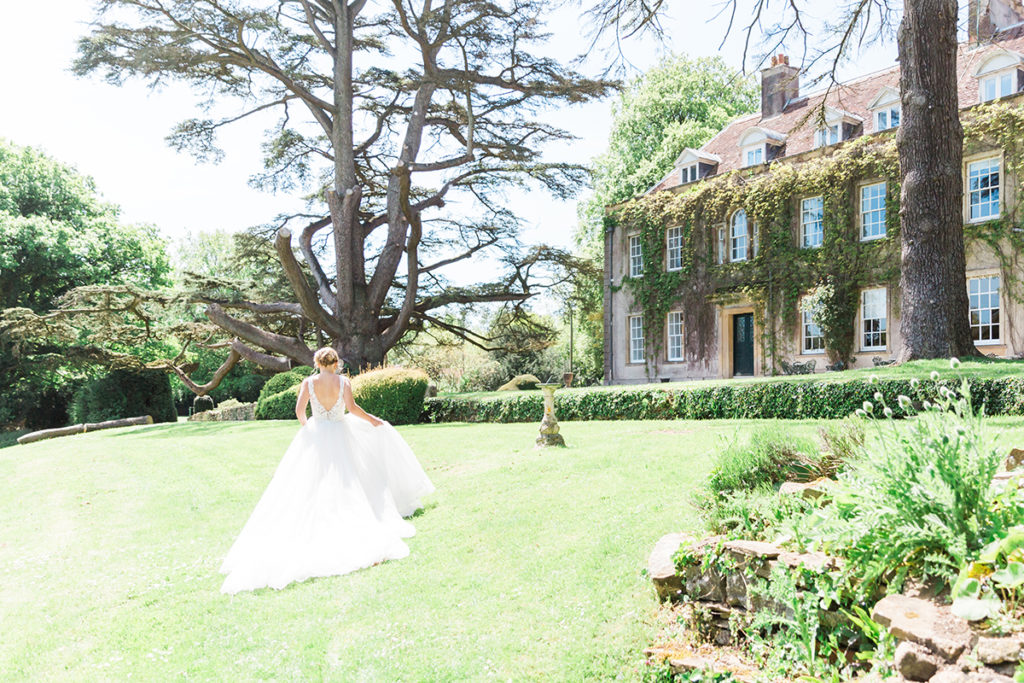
743,344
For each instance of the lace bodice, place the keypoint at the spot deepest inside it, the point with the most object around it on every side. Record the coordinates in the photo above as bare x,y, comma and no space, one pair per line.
337,410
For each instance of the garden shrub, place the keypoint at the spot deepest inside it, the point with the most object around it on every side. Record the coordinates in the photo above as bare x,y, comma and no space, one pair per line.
813,399
284,380
279,406
919,501
394,394
520,383
122,393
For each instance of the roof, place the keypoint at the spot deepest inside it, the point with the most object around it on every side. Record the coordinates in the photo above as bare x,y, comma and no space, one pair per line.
854,99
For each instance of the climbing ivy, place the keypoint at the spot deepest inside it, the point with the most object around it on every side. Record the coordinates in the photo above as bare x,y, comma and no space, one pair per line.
782,272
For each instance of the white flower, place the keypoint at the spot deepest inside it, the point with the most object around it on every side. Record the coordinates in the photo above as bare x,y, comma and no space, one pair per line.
874,379
868,407
888,411
927,405
903,401
915,382
878,396
860,413
935,374
954,362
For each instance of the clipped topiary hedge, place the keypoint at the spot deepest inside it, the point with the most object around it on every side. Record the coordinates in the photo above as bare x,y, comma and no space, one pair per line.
279,406
762,400
392,394
284,380
122,393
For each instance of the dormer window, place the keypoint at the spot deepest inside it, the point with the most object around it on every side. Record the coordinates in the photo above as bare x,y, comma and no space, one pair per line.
694,164
888,118
829,135
999,74
999,85
885,109
752,156
759,145
835,126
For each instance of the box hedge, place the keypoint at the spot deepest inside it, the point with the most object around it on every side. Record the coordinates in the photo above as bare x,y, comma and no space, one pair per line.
393,394
284,380
762,400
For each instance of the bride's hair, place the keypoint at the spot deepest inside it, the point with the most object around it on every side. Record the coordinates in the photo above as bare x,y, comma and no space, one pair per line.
326,357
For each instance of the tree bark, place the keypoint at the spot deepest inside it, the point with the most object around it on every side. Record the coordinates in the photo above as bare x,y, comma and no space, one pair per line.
934,312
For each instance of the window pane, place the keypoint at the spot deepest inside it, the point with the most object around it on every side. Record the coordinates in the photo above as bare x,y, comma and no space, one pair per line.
883,120
983,295
738,237
675,336
636,339
811,214
636,259
873,319
872,211
983,179
894,117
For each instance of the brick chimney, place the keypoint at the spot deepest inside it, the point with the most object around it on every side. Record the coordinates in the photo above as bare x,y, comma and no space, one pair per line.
985,18
780,83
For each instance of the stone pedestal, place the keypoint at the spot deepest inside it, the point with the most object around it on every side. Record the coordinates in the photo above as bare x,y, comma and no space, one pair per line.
549,435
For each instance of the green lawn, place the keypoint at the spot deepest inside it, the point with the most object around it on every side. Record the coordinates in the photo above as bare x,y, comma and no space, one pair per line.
979,367
527,564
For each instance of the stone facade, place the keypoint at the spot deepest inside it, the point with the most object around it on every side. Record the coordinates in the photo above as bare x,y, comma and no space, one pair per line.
788,133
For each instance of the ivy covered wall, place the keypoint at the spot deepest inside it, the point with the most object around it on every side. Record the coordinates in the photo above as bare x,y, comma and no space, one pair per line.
783,272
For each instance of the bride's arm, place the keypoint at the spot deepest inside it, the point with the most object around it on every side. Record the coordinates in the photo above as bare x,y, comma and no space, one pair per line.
301,401
352,407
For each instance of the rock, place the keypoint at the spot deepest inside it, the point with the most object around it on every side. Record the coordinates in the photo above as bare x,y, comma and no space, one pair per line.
736,589
924,623
950,675
1014,460
816,562
916,663
988,677
705,585
662,569
998,650
810,491
746,550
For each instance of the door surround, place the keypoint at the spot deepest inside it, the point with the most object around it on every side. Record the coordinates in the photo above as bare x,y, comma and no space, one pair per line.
725,331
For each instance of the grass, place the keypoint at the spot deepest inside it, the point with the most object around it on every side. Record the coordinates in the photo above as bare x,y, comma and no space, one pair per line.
976,367
526,565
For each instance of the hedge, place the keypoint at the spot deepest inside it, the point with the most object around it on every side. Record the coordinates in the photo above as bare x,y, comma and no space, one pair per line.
393,394
122,393
762,400
279,406
284,380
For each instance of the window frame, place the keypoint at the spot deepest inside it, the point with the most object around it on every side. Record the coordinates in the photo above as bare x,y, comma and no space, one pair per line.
733,237
979,159
823,136
639,270
689,173
996,78
630,339
723,244
993,341
887,111
862,331
804,323
820,221
761,147
861,212
668,338
668,249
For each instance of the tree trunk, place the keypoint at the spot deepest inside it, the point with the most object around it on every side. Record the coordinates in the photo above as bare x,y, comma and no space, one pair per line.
934,314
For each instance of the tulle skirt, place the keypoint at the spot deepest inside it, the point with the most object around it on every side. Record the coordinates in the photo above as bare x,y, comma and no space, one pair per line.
334,505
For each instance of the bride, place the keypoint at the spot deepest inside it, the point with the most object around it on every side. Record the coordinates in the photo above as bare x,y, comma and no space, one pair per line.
337,499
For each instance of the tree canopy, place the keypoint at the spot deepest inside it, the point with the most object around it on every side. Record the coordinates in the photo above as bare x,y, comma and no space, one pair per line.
403,121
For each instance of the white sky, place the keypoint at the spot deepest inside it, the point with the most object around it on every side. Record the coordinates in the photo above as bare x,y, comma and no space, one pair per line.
116,134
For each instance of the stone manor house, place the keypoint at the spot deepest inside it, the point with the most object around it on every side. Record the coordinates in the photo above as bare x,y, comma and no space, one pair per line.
796,129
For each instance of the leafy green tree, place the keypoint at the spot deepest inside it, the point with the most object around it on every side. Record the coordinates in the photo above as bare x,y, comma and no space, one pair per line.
680,103
56,234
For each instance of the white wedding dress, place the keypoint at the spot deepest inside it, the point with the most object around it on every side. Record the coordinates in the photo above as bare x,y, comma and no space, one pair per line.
334,505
